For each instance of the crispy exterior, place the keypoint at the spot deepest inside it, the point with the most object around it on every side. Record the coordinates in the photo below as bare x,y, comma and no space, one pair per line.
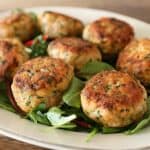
12,55
135,59
20,25
114,99
110,34
41,80
74,51
59,25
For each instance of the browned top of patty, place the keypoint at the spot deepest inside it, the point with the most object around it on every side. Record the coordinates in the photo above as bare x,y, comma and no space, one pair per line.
73,44
112,33
11,51
41,72
135,59
111,89
60,15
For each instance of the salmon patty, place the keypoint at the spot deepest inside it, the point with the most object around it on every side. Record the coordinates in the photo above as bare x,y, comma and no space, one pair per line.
42,79
12,55
109,34
57,25
20,25
74,51
135,59
114,99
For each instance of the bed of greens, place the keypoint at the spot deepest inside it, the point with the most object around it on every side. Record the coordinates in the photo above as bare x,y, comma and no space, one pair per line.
69,115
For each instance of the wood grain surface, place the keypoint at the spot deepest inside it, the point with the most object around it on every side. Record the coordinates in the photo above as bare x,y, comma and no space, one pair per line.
136,8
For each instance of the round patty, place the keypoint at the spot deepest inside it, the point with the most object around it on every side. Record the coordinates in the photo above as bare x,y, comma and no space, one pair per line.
110,34
42,79
74,51
114,99
135,59
20,25
12,55
59,25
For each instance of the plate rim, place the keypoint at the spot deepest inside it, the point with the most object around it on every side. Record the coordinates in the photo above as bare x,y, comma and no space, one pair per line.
43,144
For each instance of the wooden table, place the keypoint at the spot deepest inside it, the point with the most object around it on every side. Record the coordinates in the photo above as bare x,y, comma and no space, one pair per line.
135,8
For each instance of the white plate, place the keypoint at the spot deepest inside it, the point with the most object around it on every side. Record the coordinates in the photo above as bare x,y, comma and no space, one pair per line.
13,126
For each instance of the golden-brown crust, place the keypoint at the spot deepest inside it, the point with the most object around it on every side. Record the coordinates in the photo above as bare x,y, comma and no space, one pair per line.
135,59
117,94
42,79
110,87
59,25
111,34
12,55
73,44
20,25
57,14
74,51
41,72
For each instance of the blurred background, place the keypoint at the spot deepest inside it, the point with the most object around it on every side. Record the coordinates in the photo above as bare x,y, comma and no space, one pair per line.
135,8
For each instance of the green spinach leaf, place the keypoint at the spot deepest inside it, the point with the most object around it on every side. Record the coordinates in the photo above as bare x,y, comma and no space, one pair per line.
143,123
93,67
4,100
72,96
41,107
38,114
92,134
38,117
6,106
108,130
